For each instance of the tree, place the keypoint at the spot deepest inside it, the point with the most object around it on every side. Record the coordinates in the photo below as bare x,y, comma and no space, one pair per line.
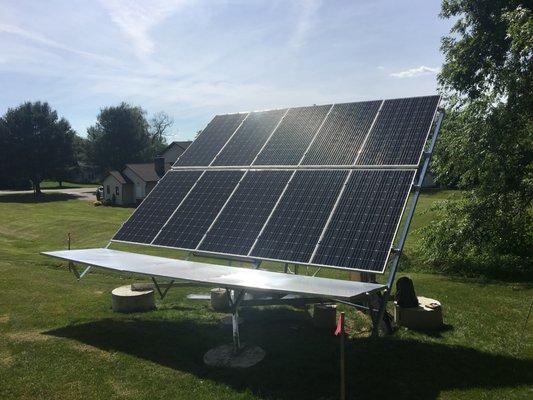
120,136
160,123
486,146
36,144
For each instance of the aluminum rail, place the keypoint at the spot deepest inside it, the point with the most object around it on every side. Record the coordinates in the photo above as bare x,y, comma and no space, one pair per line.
405,229
289,167
218,275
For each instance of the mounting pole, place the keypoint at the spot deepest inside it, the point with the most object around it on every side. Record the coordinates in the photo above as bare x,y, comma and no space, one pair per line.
235,300
405,229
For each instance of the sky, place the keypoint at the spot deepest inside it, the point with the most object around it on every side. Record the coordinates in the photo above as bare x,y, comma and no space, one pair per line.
195,59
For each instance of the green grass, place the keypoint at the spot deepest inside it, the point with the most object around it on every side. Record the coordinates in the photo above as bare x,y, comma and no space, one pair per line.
60,340
48,185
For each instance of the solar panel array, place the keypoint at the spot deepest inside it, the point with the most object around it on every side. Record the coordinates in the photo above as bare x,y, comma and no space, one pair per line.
320,185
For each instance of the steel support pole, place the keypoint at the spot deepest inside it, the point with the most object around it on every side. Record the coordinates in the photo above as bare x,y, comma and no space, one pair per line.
403,236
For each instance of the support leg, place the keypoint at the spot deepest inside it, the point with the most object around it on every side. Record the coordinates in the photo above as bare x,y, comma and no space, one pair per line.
381,315
236,338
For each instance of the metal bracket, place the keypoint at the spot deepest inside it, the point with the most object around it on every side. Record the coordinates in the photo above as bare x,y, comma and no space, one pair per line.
72,268
162,294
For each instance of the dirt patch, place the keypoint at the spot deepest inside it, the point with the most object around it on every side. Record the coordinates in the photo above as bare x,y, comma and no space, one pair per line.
4,319
28,336
122,390
93,351
6,359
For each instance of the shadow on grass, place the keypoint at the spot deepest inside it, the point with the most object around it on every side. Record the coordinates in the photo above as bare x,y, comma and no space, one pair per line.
31,198
302,363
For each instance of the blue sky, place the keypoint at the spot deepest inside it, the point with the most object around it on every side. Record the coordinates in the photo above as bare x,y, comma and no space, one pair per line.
194,59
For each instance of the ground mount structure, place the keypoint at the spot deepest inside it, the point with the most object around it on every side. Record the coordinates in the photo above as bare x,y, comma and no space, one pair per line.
322,186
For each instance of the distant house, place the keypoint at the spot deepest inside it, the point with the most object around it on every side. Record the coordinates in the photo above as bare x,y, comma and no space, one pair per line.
135,181
174,150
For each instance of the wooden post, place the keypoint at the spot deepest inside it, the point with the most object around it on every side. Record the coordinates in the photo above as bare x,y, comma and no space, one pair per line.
340,331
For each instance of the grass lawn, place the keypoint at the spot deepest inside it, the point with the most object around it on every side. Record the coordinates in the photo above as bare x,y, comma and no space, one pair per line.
48,185
60,340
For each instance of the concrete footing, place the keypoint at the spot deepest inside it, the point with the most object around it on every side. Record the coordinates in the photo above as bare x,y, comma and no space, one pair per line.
428,315
219,300
325,316
126,300
225,356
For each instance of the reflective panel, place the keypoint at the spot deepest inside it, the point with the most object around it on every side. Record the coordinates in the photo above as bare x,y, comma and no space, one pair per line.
149,217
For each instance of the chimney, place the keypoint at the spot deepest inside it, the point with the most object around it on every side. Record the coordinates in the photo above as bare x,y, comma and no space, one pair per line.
159,164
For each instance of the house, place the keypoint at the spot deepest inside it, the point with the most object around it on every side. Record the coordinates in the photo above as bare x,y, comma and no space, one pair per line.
174,150
131,184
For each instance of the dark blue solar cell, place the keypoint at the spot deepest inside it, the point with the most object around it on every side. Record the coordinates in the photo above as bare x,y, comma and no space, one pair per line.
400,132
292,137
340,138
245,214
248,140
295,226
363,226
155,210
211,140
192,219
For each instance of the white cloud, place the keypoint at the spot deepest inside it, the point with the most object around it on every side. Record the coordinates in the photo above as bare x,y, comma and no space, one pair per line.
414,72
136,18
41,39
305,22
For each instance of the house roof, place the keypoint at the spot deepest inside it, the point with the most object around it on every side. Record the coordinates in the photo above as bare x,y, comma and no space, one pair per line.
146,171
174,150
183,145
119,177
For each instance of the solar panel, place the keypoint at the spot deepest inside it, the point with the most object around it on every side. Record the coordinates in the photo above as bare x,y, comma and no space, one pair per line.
295,226
211,140
245,214
342,135
400,132
292,137
263,188
153,212
248,140
362,228
191,220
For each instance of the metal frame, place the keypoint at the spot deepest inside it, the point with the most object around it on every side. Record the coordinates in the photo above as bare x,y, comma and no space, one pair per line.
405,230
378,312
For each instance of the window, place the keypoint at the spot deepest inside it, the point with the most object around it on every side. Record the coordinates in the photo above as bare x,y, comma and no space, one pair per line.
107,189
116,190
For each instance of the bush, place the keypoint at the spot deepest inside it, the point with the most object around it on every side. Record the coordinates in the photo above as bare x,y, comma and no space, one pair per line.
477,235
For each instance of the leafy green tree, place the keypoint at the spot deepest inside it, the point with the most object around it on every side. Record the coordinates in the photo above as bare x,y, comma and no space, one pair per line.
123,135
487,145
120,136
36,144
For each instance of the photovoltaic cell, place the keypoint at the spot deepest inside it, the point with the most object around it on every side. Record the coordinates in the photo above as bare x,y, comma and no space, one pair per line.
153,212
292,137
296,224
206,146
245,214
363,226
400,132
342,135
248,140
192,219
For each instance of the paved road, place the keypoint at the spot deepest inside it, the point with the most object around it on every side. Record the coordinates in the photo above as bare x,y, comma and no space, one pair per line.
86,194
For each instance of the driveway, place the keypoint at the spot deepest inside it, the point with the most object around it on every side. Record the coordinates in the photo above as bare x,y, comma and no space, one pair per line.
86,194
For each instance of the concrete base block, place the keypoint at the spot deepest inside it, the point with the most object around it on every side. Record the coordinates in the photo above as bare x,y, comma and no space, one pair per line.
325,316
428,315
219,299
225,356
126,300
